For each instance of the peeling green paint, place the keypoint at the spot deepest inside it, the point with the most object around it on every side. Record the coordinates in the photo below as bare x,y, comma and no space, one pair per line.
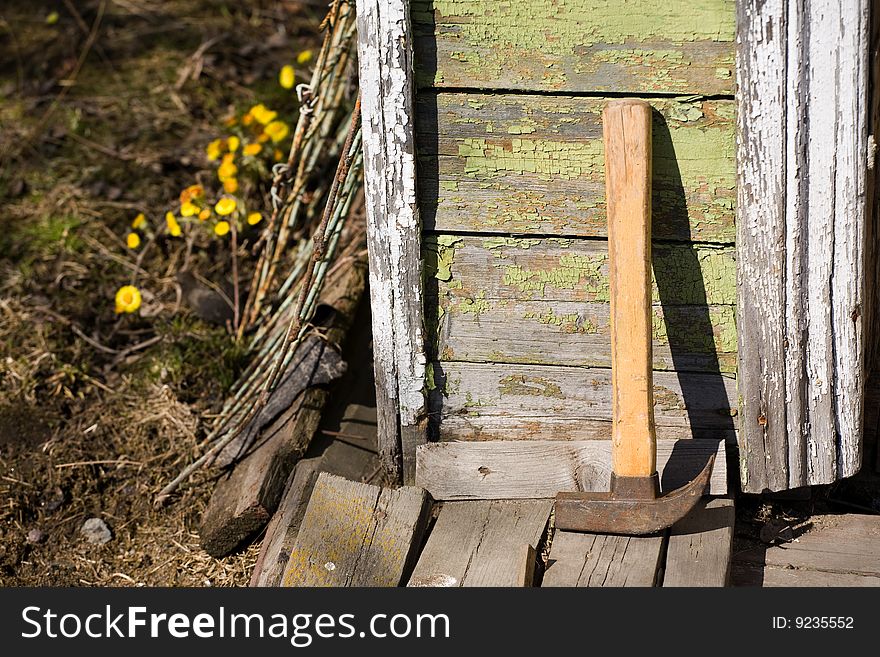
429,377
574,270
533,386
439,254
568,322
547,159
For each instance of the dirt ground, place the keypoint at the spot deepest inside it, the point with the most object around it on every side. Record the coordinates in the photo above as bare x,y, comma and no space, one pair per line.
106,107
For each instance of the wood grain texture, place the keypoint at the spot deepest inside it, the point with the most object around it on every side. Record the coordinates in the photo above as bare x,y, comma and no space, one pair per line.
583,45
698,552
475,401
831,550
355,534
627,138
524,469
557,291
603,560
527,164
393,228
802,145
480,543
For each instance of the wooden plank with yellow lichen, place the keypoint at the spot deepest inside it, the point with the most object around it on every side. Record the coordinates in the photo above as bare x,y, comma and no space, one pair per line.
535,165
479,402
576,45
355,534
479,543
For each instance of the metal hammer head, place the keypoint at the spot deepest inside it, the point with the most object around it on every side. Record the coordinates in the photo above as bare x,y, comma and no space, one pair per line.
633,506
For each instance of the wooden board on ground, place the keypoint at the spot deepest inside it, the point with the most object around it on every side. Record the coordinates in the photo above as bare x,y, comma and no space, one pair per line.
480,401
533,165
578,46
481,543
699,547
832,548
355,534
524,469
603,560
245,499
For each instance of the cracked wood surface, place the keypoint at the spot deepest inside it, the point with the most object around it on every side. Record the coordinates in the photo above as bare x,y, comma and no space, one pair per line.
603,560
481,543
393,229
482,401
535,165
579,45
802,163
523,469
355,534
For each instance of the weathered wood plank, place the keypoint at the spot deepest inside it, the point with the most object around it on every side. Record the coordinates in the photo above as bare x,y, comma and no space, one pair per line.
245,499
356,534
559,269
480,543
603,560
282,529
699,549
524,469
518,284
535,165
839,550
475,401
393,228
585,45
685,338
802,143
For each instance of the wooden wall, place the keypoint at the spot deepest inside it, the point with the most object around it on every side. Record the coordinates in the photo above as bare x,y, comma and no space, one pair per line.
511,193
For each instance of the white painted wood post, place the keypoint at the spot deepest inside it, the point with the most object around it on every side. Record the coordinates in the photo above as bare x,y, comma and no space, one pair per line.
802,151
393,229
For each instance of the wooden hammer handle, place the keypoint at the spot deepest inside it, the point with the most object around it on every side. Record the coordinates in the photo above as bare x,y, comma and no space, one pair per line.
627,134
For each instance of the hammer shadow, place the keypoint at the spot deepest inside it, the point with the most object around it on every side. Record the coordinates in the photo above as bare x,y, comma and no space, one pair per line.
688,321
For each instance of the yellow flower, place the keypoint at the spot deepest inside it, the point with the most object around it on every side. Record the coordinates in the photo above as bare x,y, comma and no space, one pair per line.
278,155
173,226
304,57
128,299
213,150
190,193
133,240
247,119
227,170
52,18
230,121
204,214
221,228
277,130
138,221
262,114
232,143
225,206
252,149
230,185
254,218
188,209
262,137
287,77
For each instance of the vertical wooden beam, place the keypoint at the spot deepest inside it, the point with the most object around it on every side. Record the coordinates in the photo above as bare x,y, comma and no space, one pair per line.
802,151
393,229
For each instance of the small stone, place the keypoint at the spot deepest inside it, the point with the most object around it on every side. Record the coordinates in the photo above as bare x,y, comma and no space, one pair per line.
35,536
96,531
330,566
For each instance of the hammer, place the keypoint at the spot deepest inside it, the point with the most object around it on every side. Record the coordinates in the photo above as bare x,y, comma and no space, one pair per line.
634,504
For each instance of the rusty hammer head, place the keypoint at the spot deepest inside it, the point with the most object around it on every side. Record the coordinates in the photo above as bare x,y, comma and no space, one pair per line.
633,506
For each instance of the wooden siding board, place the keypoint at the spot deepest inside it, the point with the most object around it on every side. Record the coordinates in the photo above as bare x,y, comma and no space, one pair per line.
581,46
603,560
478,401
534,165
700,546
523,469
802,164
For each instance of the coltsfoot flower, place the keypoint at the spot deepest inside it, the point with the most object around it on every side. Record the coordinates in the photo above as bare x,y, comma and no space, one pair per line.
128,299
225,206
287,77
133,240
171,223
221,228
254,218
277,130
139,221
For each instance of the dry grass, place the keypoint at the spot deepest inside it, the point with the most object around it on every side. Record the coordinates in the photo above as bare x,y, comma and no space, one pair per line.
97,412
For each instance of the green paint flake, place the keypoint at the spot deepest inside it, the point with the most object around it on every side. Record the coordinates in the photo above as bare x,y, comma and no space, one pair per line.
723,73
429,377
568,322
493,243
574,270
533,386
439,254
548,159
475,306
684,112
